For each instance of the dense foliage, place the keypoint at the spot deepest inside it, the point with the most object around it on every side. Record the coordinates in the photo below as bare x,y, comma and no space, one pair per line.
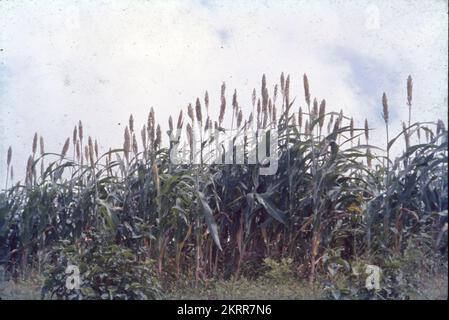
130,216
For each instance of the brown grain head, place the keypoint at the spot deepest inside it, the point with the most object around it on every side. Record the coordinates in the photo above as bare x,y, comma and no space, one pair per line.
223,104
322,112
126,143
150,124
253,97
366,130
239,118
34,148
409,90
287,92
78,150
65,148
75,135
96,148
282,83
385,114
131,123
135,145
199,115
306,89
206,101
170,123
158,140
80,130
9,156
314,110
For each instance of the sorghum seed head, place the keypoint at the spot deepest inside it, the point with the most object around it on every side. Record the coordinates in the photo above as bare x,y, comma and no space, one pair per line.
75,135
322,112
314,110
135,146
151,120
282,83
239,118
253,97
96,148
34,143
131,123
409,90
235,104
385,108
206,101
9,156
80,130
170,123
351,128
223,103
287,92
65,148
157,142
306,89
126,143
199,115
78,150
366,130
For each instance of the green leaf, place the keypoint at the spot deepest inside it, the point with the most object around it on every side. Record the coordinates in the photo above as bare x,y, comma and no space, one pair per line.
270,208
211,224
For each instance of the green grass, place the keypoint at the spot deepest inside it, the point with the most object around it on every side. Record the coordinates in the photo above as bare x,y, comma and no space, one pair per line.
429,288
244,289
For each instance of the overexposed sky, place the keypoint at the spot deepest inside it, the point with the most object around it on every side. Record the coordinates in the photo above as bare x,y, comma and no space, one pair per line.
99,61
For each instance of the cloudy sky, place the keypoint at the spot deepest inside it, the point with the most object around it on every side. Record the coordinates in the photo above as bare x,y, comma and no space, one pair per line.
99,61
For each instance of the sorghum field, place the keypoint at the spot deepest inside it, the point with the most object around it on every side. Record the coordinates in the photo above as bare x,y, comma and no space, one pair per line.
140,226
